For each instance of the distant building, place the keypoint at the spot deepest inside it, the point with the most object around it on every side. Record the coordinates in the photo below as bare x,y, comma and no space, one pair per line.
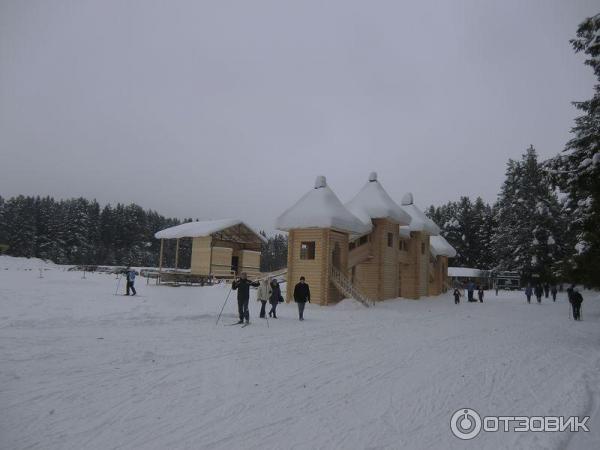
220,248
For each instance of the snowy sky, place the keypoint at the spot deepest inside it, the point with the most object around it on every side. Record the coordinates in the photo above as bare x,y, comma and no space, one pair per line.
224,108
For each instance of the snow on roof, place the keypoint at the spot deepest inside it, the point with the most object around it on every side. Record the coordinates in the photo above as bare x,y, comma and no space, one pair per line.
321,208
441,247
201,229
464,272
373,202
405,232
419,222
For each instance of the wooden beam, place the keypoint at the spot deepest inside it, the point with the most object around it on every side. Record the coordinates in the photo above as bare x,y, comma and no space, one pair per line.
176,253
160,260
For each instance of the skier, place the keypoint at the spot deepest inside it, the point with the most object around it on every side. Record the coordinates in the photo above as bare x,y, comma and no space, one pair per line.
553,291
457,295
528,292
130,277
480,294
576,300
275,298
570,291
539,290
470,290
546,289
301,296
242,285
262,296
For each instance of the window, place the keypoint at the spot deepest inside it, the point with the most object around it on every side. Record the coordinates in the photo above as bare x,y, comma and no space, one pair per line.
402,245
390,240
422,248
307,250
363,240
352,245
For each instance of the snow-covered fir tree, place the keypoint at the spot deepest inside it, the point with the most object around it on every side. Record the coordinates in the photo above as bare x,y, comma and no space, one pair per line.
530,227
577,170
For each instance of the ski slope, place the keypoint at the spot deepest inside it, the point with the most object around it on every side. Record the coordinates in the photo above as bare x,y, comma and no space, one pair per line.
81,368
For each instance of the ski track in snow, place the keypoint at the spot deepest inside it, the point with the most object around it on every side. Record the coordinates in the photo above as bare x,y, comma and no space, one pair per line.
82,368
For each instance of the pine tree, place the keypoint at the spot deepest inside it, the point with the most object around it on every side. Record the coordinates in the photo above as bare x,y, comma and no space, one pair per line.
577,170
529,221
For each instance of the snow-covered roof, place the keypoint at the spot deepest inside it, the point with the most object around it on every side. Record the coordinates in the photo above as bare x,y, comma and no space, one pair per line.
202,229
373,202
441,247
405,232
464,272
419,222
321,208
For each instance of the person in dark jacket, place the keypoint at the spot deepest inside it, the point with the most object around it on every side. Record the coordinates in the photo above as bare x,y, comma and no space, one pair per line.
528,292
570,292
576,300
480,294
242,285
275,298
553,291
301,296
457,295
546,289
470,290
130,278
539,291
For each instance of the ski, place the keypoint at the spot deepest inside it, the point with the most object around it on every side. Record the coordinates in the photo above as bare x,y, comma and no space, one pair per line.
245,325
232,324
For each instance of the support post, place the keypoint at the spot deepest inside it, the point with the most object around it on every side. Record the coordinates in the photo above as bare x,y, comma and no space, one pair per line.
160,260
176,254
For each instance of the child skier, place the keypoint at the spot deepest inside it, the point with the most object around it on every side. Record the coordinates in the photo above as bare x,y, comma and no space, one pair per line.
457,295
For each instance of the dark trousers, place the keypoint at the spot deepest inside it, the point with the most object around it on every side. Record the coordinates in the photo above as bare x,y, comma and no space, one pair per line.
576,312
539,298
130,286
301,306
262,308
470,296
480,298
554,296
456,299
529,298
243,309
273,309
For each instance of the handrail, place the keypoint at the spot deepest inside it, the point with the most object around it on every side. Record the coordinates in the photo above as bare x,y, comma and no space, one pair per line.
346,287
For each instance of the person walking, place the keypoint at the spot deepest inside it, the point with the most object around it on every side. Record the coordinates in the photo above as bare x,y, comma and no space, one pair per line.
242,285
576,300
539,290
553,291
457,295
570,292
262,295
275,298
546,289
480,293
130,278
301,296
470,290
528,292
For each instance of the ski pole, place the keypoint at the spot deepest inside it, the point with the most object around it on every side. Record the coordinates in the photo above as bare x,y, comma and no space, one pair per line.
223,307
118,283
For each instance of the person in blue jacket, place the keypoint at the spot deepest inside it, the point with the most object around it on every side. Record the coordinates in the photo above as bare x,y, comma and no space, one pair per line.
130,277
528,293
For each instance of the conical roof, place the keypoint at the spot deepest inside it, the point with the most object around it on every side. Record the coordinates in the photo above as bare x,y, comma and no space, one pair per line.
373,202
419,222
321,208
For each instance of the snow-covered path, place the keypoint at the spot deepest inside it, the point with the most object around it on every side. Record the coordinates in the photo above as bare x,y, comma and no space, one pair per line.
82,368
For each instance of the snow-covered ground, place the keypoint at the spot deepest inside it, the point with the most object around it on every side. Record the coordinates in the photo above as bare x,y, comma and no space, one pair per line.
81,368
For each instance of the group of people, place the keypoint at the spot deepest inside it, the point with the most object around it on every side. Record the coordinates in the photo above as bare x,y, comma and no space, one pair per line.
268,292
470,293
539,290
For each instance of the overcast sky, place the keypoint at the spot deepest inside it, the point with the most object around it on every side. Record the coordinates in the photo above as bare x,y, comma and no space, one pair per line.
231,108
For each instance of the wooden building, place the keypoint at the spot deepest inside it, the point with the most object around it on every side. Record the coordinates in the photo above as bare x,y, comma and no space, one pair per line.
370,249
220,248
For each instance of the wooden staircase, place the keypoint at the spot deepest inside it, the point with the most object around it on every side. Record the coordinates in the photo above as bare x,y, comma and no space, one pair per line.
345,286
